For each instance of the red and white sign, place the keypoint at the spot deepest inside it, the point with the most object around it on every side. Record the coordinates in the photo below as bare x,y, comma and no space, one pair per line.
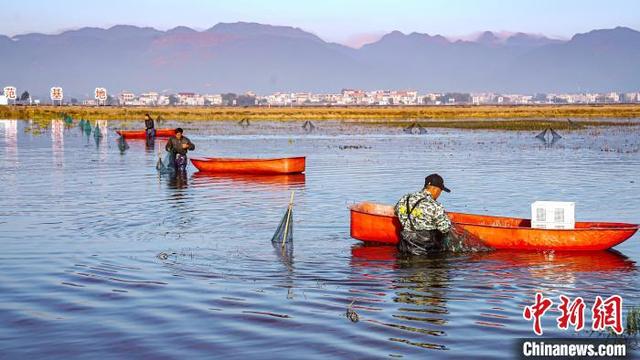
101,94
10,92
56,93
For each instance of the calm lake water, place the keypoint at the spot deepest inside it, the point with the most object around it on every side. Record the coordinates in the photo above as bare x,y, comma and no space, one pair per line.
82,225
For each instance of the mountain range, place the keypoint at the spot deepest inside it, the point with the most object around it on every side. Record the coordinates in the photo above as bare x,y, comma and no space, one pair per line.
236,57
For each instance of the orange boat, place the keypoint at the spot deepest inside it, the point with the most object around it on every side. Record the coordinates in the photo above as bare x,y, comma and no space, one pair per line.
294,165
371,222
142,134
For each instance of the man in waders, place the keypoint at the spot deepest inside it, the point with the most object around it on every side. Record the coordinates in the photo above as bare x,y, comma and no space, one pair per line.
178,146
150,127
424,222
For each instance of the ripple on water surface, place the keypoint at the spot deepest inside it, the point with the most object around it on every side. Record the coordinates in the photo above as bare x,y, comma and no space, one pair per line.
104,258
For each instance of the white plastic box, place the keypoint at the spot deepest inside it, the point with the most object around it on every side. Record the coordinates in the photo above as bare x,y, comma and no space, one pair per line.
553,215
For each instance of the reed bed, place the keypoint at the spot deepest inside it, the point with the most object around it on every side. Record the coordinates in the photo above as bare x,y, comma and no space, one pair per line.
531,117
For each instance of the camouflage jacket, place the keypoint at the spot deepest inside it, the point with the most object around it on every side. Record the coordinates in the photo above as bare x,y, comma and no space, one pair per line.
427,215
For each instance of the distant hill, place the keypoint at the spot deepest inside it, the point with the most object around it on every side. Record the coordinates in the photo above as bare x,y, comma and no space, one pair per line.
236,57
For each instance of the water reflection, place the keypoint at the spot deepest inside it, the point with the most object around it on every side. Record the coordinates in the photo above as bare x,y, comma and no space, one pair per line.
10,128
423,287
57,142
204,179
554,269
177,180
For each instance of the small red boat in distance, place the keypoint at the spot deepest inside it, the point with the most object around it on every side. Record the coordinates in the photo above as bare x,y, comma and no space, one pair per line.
371,222
293,165
142,134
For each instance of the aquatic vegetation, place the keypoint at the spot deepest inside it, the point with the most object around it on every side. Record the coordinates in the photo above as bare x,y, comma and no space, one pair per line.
565,114
633,322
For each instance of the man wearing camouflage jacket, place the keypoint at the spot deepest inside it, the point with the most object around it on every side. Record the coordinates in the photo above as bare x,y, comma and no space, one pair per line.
424,221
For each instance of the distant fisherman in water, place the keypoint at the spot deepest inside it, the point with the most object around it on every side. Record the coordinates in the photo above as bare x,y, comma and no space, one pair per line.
424,221
178,146
150,127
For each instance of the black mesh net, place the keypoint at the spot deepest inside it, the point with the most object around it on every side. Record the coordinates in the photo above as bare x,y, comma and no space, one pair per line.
166,166
282,239
459,240
542,135
122,144
415,128
284,232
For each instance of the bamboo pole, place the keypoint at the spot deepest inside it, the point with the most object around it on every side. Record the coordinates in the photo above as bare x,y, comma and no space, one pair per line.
286,226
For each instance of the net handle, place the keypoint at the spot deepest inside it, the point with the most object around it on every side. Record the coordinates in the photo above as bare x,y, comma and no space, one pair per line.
286,226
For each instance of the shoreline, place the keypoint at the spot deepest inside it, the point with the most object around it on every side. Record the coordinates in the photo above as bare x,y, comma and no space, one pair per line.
498,117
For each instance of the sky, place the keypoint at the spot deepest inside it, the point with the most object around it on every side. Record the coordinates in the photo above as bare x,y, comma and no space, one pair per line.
350,22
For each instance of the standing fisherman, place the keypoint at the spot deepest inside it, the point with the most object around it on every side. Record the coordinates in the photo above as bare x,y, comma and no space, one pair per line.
178,146
150,128
424,221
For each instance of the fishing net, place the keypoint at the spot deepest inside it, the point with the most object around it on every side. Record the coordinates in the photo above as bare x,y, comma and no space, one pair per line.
96,131
167,166
549,139
415,128
555,135
308,126
458,240
87,127
542,135
284,232
122,144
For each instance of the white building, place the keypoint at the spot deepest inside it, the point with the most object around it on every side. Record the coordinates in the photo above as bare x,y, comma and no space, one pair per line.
4,100
126,98
149,98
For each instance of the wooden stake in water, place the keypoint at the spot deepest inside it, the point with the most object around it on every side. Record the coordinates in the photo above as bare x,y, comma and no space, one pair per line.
286,226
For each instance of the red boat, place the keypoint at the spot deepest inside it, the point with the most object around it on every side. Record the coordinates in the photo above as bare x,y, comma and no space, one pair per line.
294,165
142,134
371,222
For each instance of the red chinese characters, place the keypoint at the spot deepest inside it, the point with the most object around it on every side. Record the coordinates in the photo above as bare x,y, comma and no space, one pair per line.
572,313
607,313
536,311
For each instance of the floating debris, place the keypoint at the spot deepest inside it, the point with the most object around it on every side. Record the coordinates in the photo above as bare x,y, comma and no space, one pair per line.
349,147
352,314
